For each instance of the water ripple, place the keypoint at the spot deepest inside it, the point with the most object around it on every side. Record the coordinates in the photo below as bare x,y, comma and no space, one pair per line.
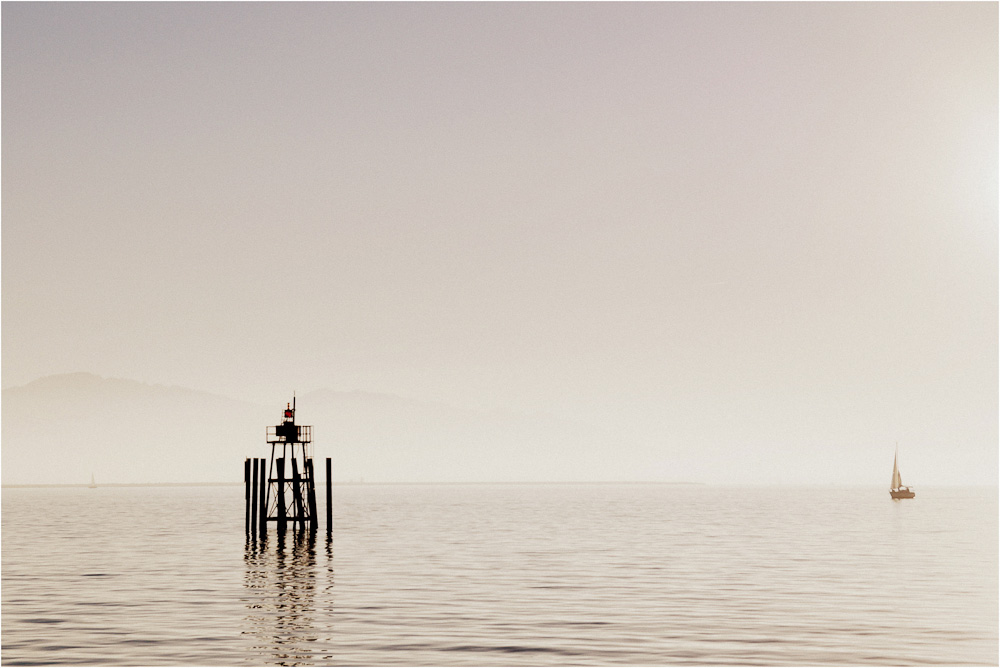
503,575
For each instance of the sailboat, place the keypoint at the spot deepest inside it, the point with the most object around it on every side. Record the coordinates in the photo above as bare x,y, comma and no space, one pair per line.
92,484
897,490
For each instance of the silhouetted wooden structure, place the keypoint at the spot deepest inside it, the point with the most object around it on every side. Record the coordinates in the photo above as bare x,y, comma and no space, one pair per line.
283,490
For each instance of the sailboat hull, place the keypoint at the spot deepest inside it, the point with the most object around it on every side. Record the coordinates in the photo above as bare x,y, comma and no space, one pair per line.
903,493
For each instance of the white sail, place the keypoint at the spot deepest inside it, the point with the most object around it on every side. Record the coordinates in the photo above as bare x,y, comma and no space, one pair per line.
897,481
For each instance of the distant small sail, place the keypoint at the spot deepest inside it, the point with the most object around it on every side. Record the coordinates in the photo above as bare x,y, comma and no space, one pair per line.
897,490
897,481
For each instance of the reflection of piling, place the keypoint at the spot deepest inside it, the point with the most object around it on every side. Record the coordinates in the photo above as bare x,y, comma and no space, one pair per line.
281,589
329,499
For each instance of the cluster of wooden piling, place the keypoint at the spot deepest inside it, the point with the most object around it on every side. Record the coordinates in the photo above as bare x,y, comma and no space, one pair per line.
266,486
258,484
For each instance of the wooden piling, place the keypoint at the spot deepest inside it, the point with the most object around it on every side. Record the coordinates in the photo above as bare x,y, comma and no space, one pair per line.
329,499
252,519
311,491
246,484
297,495
262,506
281,493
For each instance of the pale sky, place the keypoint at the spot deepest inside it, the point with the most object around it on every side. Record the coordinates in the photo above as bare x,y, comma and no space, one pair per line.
709,225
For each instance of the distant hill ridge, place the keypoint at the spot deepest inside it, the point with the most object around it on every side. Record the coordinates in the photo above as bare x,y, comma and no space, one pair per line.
61,429
89,383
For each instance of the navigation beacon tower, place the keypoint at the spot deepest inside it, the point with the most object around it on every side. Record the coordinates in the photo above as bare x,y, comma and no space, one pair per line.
290,494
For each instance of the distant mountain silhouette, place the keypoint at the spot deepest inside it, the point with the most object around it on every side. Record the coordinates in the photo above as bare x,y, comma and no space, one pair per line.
60,429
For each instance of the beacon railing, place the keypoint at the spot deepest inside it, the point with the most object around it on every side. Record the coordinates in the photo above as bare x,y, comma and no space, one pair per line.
279,434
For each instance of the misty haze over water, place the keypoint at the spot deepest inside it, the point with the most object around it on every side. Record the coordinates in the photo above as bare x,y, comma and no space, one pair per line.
121,431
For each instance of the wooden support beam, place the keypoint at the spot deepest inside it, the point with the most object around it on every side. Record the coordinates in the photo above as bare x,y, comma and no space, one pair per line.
252,519
246,484
329,499
262,506
311,491
280,463
297,489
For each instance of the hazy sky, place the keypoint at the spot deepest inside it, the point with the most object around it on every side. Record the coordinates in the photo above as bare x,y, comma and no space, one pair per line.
708,224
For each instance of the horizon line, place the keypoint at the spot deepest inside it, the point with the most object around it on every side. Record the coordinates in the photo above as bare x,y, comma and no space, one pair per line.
349,483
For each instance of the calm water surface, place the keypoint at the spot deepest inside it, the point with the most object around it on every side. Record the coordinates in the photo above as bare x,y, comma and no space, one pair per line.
504,575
